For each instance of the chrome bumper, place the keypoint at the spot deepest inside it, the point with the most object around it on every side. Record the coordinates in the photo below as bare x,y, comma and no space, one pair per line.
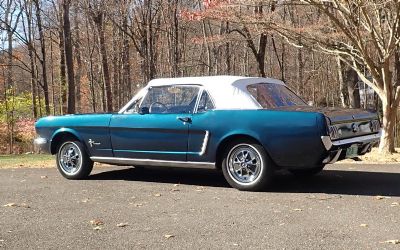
41,144
328,143
335,148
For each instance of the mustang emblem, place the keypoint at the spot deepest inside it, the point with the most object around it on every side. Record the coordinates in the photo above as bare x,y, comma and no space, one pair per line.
91,143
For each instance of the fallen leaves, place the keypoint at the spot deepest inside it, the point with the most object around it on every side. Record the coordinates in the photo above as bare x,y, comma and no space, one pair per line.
157,195
10,205
24,205
363,225
298,209
43,177
380,197
200,189
169,236
395,204
394,242
96,222
122,224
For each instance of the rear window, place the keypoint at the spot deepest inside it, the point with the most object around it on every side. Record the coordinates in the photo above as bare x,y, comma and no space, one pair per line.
270,95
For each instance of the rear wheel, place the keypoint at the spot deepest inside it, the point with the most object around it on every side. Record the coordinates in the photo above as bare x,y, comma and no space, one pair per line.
72,160
246,166
307,172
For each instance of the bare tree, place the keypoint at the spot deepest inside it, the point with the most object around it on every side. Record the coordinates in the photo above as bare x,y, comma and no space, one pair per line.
68,56
363,34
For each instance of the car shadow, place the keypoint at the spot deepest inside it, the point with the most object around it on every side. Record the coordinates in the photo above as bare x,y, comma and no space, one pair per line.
342,182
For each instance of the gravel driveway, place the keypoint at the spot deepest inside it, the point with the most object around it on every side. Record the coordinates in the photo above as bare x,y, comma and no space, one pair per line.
347,206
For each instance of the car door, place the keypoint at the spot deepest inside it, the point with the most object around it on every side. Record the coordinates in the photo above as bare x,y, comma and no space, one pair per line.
156,127
204,128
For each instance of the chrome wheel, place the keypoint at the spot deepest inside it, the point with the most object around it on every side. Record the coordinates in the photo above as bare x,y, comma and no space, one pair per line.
244,164
70,158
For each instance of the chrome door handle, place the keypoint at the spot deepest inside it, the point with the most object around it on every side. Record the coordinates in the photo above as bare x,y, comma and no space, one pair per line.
185,119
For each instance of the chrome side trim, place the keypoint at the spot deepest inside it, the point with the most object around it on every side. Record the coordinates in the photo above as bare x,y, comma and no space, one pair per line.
205,142
362,139
326,140
149,162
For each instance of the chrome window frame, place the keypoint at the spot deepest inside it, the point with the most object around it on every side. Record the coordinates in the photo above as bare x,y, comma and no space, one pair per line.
146,89
203,89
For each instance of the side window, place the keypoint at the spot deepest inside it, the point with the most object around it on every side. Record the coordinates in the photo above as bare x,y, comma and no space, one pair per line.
205,103
171,99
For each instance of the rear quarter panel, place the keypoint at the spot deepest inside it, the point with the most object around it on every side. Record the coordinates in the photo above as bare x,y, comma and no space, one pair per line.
292,139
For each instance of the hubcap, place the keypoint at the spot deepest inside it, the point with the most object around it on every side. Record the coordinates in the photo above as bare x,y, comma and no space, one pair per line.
244,164
70,159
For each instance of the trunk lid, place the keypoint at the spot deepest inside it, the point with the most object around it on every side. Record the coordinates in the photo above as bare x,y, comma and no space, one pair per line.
336,115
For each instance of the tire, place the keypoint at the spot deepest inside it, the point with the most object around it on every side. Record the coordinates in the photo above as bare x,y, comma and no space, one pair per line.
72,160
307,172
247,167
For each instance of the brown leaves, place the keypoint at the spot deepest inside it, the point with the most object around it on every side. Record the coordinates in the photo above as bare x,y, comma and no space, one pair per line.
43,177
363,225
157,195
24,205
379,197
10,205
96,222
122,224
395,204
394,242
169,236
200,189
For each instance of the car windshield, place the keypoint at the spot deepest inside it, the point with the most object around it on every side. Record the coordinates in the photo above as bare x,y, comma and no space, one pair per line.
270,95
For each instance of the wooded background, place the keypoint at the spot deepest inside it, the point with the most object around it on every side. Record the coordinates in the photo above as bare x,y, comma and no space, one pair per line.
62,56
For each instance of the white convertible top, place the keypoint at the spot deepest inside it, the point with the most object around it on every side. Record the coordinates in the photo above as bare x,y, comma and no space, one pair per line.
227,92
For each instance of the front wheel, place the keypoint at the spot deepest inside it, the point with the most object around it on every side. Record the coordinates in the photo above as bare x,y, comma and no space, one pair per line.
246,166
72,160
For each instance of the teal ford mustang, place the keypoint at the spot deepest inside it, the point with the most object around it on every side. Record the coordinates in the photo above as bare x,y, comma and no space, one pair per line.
245,126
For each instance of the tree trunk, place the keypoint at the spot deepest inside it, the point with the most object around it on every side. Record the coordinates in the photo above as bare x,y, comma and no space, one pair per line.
78,57
349,86
69,57
388,124
98,20
344,95
63,74
43,62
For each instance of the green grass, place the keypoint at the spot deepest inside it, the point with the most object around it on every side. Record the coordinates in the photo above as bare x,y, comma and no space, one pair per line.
27,160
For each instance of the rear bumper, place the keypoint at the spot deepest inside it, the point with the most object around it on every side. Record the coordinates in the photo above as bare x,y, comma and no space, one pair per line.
336,150
42,144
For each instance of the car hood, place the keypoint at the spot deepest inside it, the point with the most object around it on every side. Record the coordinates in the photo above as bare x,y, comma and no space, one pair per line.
335,115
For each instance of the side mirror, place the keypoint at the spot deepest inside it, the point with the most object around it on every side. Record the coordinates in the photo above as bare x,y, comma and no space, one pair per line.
144,110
